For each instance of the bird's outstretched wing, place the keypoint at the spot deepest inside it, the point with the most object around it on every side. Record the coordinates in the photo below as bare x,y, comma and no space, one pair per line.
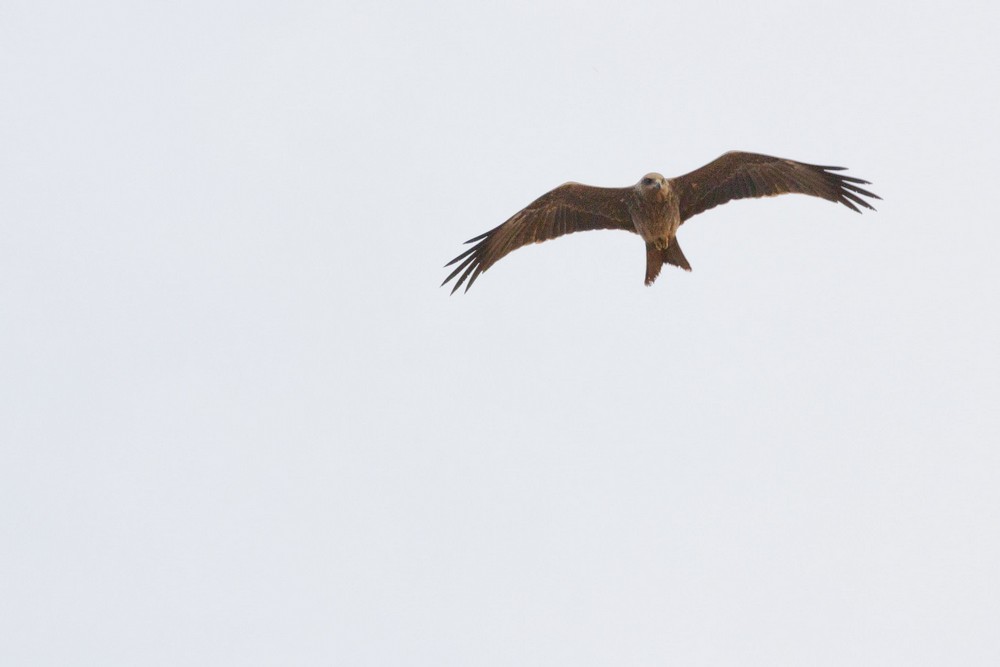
571,207
738,175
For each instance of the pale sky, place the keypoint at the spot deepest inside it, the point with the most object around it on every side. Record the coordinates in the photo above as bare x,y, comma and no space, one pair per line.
242,425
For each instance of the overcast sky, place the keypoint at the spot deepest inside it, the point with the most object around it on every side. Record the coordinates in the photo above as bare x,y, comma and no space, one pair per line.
241,424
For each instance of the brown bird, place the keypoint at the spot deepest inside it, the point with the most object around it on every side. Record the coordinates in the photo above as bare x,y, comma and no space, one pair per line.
655,207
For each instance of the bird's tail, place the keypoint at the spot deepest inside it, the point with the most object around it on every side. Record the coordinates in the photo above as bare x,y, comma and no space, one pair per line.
656,258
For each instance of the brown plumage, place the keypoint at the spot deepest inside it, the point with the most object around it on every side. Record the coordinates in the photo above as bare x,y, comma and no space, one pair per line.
655,207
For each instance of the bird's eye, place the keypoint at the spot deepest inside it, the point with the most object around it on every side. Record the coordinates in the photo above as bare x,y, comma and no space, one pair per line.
647,181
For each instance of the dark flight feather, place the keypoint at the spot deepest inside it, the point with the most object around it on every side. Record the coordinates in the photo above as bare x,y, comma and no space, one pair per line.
739,175
571,207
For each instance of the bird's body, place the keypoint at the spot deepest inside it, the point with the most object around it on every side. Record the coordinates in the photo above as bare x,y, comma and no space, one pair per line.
655,208
656,216
655,211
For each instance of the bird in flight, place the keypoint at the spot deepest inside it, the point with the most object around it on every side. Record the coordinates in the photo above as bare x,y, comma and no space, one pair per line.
655,207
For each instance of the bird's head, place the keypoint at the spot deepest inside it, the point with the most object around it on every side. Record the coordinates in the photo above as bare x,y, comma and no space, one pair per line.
652,184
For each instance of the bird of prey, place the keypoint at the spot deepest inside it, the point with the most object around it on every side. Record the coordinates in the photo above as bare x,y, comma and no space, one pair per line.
655,207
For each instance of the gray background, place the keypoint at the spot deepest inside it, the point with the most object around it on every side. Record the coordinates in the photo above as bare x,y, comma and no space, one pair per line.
242,425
